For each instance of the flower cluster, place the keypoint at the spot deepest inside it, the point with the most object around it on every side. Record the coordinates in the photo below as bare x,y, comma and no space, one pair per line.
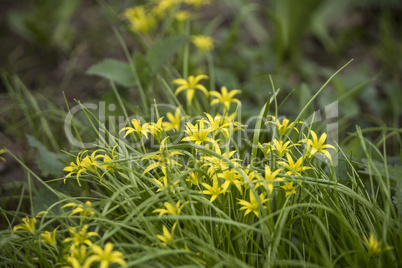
78,248
145,18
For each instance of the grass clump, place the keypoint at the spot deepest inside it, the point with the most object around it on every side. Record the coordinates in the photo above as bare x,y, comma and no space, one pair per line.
189,183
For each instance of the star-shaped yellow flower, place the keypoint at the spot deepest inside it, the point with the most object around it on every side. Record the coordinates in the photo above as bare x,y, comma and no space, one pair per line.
170,209
317,146
191,84
253,206
214,191
203,43
105,256
225,97
167,236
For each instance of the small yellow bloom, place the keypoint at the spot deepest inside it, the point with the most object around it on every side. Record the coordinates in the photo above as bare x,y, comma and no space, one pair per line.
174,121
77,257
86,164
231,176
279,146
167,237
283,127
216,164
193,178
164,6
182,15
293,167
27,225
2,151
163,160
289,187
374,246
223,124
107,165
84,210
50,238
140,20
225,97
106,256
203,43
138,128
191,84
198,134
316,145
80,237
170,209
253,206
214,191
270,178
156,129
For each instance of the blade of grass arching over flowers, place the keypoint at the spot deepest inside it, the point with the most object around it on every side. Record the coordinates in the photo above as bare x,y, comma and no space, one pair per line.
133,69
319,91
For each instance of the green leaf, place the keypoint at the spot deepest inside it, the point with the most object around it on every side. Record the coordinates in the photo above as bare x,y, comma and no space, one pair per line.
118,71
161,52
43,199
49,163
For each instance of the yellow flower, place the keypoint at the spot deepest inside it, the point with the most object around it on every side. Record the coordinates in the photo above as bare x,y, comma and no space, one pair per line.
170,209
191,84
29,223
214,191
293,167
270,178
224,97
141,130
280,147
253,206
139,20
231,176
80,237
161,160
84,210
2,151
317,145
182,15
86,164
193,178
203,43
167,237
374,246
198,133
50,238
289,187
107,165
163,7
106,256
224,124
77,257
217,164
283,127
162,185
174,121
